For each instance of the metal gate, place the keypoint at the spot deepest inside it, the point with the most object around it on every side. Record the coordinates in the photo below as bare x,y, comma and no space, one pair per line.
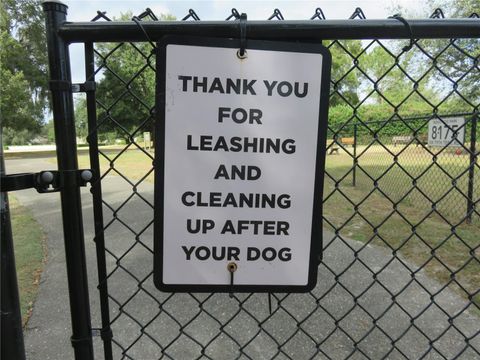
400,274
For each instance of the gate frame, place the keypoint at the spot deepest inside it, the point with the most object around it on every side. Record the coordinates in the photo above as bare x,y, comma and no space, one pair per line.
65,139
60,34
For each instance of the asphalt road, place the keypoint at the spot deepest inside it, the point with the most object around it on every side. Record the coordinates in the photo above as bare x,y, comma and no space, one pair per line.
141,328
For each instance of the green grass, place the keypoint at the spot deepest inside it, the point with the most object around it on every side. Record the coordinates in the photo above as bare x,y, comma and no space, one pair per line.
133,164
29,241
432,246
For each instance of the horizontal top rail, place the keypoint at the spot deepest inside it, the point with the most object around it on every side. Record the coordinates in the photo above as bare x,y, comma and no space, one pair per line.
118,31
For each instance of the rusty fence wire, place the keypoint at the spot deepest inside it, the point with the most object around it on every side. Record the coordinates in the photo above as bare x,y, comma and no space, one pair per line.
400,278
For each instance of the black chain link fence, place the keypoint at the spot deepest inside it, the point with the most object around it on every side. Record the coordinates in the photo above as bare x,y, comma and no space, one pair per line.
400,277
397,152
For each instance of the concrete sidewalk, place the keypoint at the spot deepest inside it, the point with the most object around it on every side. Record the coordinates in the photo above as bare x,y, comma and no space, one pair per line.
44,151
48,333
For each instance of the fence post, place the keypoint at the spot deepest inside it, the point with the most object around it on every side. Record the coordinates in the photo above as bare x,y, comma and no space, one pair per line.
106,332
354,175
65,138
12,335
471,169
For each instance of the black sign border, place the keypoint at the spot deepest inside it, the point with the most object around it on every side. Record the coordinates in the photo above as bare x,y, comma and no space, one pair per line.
316,244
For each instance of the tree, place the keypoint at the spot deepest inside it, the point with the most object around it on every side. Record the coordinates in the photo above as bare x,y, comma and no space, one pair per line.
81,120
455,61
345,81
400,78
23,94
17,108
126,93
456,8
24,22
127,90
458,60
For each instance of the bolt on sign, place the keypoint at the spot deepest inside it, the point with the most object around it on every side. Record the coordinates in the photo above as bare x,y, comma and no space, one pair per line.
239,164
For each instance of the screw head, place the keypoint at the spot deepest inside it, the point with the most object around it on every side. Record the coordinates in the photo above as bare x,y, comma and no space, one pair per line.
232,267
46,177
242,56
86,175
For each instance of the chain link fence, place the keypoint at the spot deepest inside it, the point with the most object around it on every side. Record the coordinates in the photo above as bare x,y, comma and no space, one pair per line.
401,269
396,153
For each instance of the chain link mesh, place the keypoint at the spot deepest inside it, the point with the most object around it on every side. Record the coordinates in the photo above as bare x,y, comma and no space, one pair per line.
401,270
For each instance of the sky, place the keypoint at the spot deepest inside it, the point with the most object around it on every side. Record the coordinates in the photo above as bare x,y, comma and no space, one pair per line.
85,10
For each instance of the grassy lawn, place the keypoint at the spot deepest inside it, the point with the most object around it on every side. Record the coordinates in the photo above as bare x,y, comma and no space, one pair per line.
439,242
29,246
134,164
423,237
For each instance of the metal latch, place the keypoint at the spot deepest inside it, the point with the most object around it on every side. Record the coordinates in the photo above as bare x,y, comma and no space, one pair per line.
46,181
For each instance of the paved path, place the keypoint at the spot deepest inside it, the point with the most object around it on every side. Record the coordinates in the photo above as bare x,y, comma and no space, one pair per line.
48,332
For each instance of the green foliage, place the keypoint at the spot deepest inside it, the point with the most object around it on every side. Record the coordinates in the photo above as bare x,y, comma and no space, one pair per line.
24,22
458,61
29,254
456,8
17,137
23,94
392,84
16,107
49,131
373,118
107,138
388,73
81,120
345,82
338,115
127,90
127,70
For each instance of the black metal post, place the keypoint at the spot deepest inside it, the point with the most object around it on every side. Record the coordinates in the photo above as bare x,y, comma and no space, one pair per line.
354,175
12,346
96,190
62,106
471,169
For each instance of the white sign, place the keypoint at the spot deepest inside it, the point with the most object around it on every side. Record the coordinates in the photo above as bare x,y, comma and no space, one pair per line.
446,132
239,181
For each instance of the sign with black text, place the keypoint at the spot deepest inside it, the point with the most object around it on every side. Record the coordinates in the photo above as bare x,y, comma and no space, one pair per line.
446,132
239,163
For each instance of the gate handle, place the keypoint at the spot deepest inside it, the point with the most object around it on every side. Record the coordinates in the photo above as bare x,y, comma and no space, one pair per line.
46,181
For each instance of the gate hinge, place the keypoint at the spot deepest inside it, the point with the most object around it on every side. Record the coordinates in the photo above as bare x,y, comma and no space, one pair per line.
46,181
62,85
